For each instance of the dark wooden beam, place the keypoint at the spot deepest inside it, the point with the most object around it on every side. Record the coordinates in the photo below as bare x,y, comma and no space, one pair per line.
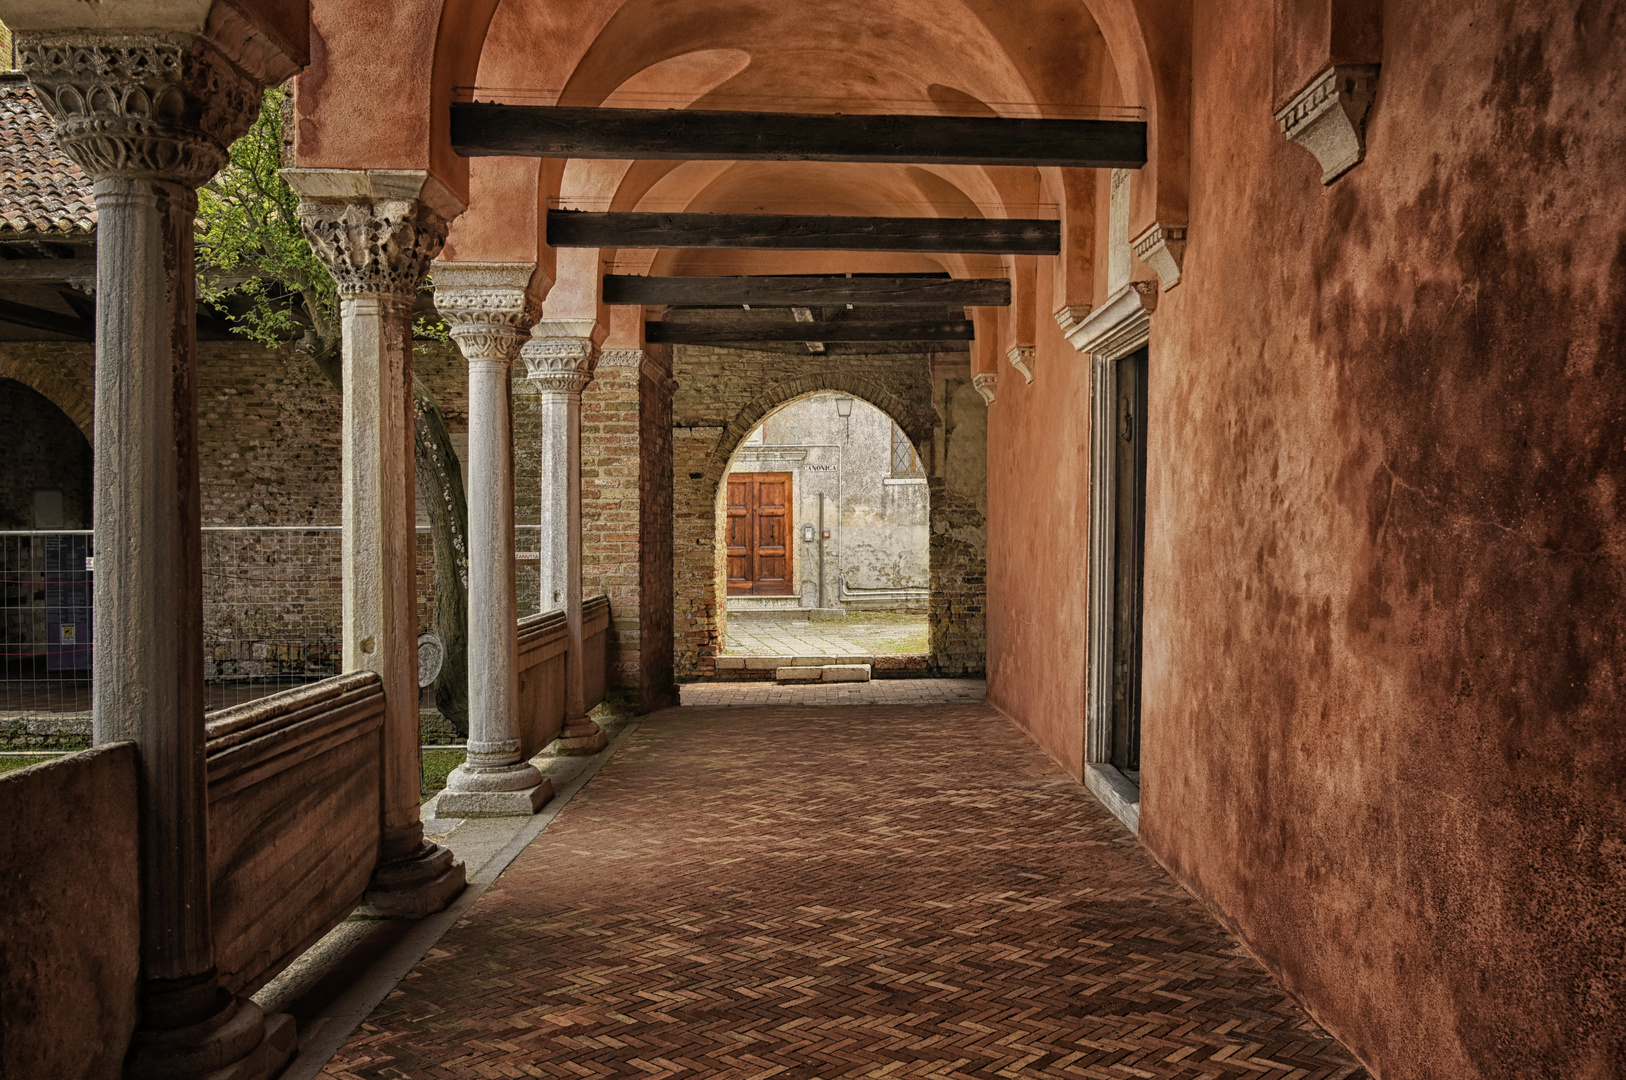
792,232
682,333
790,291
553,131
40,319
46,271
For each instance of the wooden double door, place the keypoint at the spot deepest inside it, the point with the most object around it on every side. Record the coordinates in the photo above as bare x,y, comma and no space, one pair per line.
759,531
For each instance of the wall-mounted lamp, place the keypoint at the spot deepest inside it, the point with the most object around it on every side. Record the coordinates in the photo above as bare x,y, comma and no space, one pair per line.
844,409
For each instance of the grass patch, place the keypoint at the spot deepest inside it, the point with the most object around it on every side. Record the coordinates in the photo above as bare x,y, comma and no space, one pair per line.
11,764
437,764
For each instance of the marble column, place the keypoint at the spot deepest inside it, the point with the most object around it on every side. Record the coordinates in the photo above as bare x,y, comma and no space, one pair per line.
148,117
377,231
490,313
559,361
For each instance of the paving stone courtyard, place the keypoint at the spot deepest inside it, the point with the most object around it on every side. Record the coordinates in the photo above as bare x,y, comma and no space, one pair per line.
897,891
858,635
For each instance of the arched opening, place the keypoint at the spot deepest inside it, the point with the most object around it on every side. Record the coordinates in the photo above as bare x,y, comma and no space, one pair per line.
46,483
823,524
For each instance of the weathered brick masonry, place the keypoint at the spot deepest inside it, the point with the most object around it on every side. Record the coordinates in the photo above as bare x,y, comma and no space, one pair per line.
725,393
626,522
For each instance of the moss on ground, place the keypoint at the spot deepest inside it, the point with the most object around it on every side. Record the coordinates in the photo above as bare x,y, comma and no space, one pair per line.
437,764
11,764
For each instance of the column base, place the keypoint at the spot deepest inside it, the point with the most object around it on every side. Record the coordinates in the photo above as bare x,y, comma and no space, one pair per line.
512,791
580,737
239,1042
419,884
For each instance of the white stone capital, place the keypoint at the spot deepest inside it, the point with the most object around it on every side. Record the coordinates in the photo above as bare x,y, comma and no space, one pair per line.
1022,358
986,383
560,364
376,230
140,106
488,307
1163,248
1328,117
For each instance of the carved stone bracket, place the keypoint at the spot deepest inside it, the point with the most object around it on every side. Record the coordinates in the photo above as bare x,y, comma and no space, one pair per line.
1022,358
1119,326
1071,315
1163,248
560,364
1328,118
986,382
140,106
488,307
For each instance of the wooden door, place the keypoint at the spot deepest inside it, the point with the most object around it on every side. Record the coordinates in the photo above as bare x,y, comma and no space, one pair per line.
1129,560
759,528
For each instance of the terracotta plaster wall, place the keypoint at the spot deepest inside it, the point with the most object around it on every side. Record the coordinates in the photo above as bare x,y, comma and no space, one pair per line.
1386,553
1038,544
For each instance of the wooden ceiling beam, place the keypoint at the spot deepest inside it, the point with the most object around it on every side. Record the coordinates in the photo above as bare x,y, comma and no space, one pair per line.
795,232
555,131
686,333
810,291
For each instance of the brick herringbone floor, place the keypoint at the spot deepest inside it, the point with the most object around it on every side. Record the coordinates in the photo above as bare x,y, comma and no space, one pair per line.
901,891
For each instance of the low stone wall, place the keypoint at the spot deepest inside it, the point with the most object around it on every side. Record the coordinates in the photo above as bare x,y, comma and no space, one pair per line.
69,915
294,787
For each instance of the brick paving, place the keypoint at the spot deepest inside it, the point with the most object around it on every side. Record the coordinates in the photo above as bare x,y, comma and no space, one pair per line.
885,692
901,891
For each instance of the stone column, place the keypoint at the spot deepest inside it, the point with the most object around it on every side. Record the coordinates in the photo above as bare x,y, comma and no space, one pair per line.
148,117
377,231
490,312
559,360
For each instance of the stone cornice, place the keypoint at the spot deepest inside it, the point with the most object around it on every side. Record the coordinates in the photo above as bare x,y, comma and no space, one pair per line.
986,383
1119,326
1328,117
160,106
375,230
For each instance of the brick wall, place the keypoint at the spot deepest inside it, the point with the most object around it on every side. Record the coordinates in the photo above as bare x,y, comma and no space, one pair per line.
724,393
655,529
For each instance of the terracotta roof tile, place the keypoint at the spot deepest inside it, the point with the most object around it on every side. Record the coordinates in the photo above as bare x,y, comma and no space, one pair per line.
41,191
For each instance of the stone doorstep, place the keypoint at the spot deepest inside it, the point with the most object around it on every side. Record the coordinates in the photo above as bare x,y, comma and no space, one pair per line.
829,673
846,672
774,663
799,674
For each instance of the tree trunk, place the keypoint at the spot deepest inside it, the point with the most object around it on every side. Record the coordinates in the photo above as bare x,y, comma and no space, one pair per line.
440,485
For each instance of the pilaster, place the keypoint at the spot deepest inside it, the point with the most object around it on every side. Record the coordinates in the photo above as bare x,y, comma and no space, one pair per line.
559,360
377,232
149,117
490,310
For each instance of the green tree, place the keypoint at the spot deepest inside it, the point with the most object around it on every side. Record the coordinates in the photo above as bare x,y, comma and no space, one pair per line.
258,270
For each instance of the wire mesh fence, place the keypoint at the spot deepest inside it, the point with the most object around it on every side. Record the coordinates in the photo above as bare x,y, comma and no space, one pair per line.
272,616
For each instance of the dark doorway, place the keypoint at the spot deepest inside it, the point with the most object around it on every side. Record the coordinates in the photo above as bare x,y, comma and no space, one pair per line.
1129,559
759,560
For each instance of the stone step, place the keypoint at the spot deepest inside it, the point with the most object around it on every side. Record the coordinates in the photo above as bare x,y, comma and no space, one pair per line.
774,663
830,673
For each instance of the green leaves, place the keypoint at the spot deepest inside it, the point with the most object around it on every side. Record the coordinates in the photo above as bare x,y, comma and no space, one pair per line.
255,266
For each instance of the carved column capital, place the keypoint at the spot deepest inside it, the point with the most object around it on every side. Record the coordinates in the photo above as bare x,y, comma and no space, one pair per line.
150,106
488,306
374,246
986,382
562,364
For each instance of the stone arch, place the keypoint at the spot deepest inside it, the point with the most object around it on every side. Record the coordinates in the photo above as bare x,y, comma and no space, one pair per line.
64,379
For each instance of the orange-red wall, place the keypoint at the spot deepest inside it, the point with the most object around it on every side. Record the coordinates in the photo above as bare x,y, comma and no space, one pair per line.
1386,570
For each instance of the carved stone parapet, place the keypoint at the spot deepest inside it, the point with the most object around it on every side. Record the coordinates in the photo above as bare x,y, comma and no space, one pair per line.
1022,358
561,364
488,307
1163,248
159,106
1328,117
986,382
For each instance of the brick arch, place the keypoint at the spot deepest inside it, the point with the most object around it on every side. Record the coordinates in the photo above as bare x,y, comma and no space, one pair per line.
916,422
59,379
